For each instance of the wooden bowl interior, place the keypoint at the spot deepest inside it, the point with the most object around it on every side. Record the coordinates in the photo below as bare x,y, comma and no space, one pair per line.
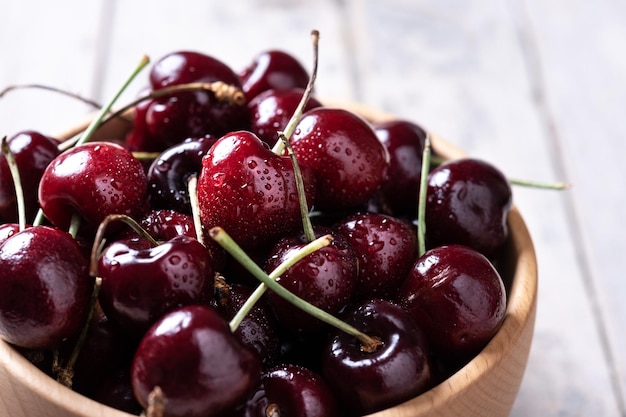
485,387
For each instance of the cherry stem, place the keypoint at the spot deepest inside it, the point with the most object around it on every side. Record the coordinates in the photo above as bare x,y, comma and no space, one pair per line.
192,186
17,181
224,240
96,122
74,225
53,89
66,374
146,156
540,185
99,240
281,269
297,115
285,135
421,205
156,403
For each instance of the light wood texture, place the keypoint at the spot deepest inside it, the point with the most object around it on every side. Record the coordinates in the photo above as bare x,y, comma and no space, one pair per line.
536,87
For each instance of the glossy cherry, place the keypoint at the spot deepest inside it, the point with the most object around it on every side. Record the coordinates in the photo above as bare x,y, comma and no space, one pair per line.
171,119
385,247
327,278
169,174
458,298
249,191
202,369
45,288
271,110
33,152
404,141
349,162
468,202
141,283
92,180
272,69
291,390
365,382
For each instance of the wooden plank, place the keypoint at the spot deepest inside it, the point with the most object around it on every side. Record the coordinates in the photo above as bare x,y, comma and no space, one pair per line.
459,71
43,42
582,72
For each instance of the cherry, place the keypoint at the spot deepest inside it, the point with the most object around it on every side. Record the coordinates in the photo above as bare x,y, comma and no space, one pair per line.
347,158
326,278
400,369
458,298
404,141
202,369
249,191
468,202
272,69
45,288
7,230
385,247
258,330
167,224
141,283
93,180
33,152
291,390
171,119
168,175
271,110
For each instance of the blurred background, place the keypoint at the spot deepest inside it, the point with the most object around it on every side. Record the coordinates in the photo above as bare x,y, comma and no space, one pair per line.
537,87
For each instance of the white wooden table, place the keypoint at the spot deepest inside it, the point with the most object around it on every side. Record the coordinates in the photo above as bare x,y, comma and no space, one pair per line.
537,87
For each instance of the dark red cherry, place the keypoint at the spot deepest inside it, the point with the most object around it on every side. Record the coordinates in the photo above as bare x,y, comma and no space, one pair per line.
385,247
327,278
348,160
33,152
167,224
171,119
404,141
7,230
201,367
93,180
45,288
141,283
272,69
291,390
169,174
458,298
249,191
365,382
271,110
468,202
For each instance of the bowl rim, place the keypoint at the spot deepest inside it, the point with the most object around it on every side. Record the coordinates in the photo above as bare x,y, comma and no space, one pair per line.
520,313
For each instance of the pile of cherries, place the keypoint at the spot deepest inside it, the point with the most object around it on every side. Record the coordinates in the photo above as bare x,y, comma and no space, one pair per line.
151,317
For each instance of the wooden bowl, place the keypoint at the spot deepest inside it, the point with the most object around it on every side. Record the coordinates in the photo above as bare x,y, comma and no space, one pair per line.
485,387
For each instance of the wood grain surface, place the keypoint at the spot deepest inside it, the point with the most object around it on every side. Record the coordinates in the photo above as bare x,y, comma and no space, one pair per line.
537,87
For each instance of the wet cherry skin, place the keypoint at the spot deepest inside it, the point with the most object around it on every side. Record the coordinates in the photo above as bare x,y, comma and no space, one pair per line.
201,367
45,288
249,191
93,180
349,162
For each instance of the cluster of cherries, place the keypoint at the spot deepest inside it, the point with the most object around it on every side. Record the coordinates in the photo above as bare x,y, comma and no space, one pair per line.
142,306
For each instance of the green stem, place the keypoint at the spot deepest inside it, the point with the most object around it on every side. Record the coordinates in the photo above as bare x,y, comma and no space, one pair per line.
307,226
541,185
95,123
421,206
17,181
221,237
192,186
281,269
297,115
50,88
74,225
